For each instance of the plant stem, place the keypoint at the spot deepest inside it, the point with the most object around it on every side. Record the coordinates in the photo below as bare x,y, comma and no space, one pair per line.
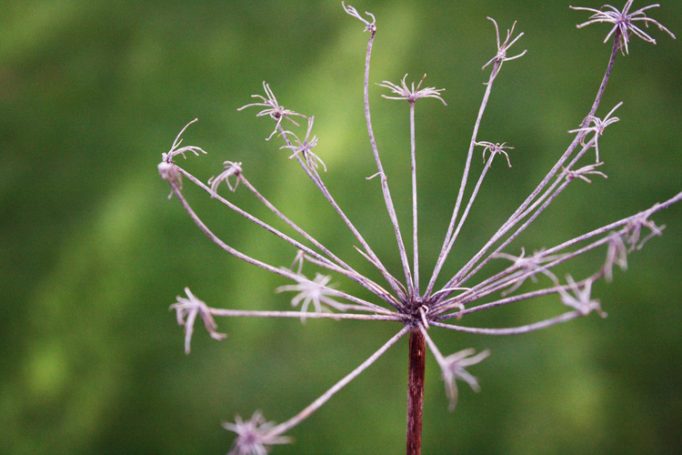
415,392
415,223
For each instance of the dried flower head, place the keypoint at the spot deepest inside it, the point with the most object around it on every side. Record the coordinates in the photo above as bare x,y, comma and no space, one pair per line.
495,149
315,291
529,267
633,231
231,171
597,126
579,298
412,93
304,147
584,172
454,367
400,300
186,311
254,436
167,168
503,47
299,260
616,254
370,25
272,109
625,23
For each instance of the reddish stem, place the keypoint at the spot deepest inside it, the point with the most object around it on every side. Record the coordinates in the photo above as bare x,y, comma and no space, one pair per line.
415,392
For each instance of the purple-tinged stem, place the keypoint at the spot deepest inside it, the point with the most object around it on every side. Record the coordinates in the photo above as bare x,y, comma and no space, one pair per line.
569,151
263,265
609,227
506,301
227,248
415,222
317,180
380,168
299,314
415,391
445,249
467,209
498,282
317,404
512,330
322,261
364,281
560,183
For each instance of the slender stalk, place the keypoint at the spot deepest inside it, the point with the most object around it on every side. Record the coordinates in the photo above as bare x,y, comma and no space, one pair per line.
513,299
560,183
390,208
569,151
609,227
317,404
298,314
521,228
512,330
366,282
227,248
465,177
321,260
604,230
291,224
415,223
379,291
499,280
415,391
465,214
263,265
505,282
317,180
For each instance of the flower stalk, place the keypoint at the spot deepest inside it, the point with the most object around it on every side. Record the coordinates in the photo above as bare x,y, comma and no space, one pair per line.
415,391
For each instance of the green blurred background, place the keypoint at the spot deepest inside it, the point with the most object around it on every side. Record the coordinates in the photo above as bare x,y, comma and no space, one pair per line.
92,252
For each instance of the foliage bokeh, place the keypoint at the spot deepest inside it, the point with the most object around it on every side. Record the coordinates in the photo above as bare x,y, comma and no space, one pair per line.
91,92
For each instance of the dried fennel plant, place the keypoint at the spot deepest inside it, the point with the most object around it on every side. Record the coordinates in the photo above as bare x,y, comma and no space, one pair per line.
401,299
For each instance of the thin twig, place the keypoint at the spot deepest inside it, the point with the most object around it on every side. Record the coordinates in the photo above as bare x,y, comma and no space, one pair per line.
569,151
318,403
512,330
380,169
415,222
442,256
303,315
319,183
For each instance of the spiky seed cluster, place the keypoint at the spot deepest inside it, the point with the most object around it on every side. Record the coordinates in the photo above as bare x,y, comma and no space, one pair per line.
597,126
254,435
316,292
496,149
529,267
584,172
503,47
272,109
305,147
412,93
580,298
401,301
625,23
230,176
187,309
167,168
